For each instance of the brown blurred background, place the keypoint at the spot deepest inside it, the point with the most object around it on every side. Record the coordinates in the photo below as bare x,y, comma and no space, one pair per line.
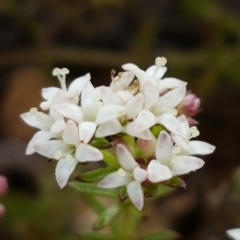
200,39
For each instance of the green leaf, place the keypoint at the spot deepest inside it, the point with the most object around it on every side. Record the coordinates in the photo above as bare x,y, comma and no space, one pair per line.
93,189
100,143
110,159
106,217
95,175
176,182
93,202
151,190
95,236
162,235
156,129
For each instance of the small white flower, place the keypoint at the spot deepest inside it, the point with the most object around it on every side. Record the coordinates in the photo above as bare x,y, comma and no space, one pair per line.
64,95
183,142
155,74
130,174
168,164
159,109
234,233
73,148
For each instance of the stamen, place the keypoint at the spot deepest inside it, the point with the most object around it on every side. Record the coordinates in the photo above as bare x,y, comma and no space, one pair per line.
112,73
69,158
121,172
57,155
159,62
61,75
194,132
33,110
176,150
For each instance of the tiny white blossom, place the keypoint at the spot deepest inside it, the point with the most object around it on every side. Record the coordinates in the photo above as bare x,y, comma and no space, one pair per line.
155,74
234,233
183,142
130,174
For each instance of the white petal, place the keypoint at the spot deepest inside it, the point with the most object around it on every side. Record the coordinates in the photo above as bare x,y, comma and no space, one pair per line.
125,96
185,164
87,153
40,136
135,193
158,172
200,148
180,143
109,97
89,109
109,112
125,158
114,180
157,71
88,92
141,75
49,148
170,122
78,84
170,83
140,174
122,81
86,131
70,133
131,130
171,99
109,128
151,94
49,93
184,126
144,120
164,148
58,126
134,106
38,120
234,233
69,110
63,170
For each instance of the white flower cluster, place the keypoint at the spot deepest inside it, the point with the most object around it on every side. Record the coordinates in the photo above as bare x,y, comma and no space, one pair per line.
135,102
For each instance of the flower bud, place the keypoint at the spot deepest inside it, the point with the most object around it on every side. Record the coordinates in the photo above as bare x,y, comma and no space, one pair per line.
189,106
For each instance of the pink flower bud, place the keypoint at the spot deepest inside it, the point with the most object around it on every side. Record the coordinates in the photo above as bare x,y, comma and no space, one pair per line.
3,185
189,106
147,146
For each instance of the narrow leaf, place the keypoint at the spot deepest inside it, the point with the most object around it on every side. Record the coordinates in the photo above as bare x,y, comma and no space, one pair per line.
93,189
100,143
95,175
94,203
110,158
106,217
176,182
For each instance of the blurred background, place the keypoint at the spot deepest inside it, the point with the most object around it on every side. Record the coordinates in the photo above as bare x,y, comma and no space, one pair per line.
200,39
